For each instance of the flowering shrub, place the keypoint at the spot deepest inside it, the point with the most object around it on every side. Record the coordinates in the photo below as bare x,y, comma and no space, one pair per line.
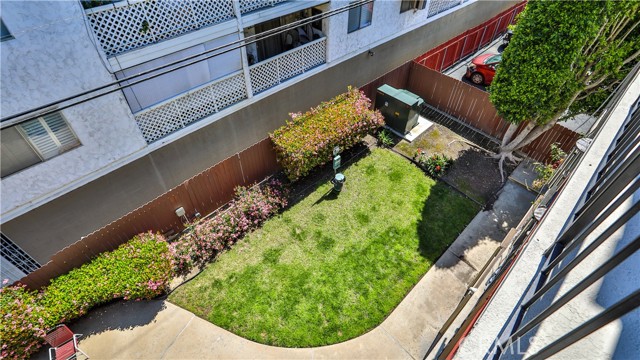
545,172
203,241
22,324
138,269
435,165
308,140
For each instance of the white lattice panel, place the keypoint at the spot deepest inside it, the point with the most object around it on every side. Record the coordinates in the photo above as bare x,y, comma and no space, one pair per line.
264,75
251,5
185,109
315,54
272,72
121,28
438,6
229,91
291,65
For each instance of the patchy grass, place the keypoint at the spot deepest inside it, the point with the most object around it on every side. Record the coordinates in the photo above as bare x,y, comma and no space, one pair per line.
331,267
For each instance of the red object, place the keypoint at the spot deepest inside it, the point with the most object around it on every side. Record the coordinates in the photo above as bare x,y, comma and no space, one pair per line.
483,68
444,55
63,341
438,168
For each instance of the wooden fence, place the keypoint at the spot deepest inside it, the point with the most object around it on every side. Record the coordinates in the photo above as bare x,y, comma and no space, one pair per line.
398,78
203,193
472,106
443,56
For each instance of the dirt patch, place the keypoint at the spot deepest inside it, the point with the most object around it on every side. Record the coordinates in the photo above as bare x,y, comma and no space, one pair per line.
474,172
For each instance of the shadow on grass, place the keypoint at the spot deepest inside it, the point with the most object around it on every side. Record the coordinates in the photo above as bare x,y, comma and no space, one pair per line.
445,214
329,195
323,174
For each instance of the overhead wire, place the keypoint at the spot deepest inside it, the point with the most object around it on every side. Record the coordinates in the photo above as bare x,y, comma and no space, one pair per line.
175,65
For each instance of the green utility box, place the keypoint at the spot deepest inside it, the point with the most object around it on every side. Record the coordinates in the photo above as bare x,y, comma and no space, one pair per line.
400,108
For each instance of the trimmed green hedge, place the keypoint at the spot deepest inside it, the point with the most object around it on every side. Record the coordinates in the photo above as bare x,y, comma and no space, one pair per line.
308,139
139,269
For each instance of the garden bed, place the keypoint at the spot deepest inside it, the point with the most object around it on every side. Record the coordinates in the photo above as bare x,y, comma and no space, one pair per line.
332,267
474,172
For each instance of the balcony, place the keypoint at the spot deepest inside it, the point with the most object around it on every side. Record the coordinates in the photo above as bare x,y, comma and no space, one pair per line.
247,6
178,112
277,69
128,25
184,109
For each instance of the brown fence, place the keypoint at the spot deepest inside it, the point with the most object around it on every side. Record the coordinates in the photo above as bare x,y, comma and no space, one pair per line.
467,43
203,193
472,106
398,78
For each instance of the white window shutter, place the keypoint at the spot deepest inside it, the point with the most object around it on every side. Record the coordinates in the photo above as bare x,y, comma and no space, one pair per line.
62,131
49,135
39,137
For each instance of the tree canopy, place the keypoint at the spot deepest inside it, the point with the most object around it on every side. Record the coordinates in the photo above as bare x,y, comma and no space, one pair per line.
565,55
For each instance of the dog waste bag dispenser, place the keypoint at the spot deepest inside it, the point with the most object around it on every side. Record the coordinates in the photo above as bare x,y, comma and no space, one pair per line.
400,108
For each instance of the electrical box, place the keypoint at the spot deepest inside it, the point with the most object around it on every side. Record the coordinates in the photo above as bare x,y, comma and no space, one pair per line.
400,108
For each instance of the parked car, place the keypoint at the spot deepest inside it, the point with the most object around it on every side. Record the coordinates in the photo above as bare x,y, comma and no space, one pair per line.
482,68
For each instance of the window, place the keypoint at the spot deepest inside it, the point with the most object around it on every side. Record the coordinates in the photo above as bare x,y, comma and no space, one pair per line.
360,16
406,5
35,141
6,35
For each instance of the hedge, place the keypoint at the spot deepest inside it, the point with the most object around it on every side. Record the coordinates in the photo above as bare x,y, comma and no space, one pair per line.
139,269
308,139
203,241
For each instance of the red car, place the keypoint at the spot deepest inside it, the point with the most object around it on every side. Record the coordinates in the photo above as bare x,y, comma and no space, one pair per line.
483,68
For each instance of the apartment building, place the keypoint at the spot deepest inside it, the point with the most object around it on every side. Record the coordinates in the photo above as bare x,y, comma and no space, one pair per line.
70,167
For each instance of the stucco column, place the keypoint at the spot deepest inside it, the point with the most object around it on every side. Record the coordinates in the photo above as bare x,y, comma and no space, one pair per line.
243,49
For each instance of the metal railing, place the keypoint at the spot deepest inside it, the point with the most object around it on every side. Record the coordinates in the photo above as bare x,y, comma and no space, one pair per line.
275,70
615,184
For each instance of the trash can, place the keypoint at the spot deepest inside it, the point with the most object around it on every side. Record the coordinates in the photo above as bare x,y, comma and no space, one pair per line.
338,181
400,108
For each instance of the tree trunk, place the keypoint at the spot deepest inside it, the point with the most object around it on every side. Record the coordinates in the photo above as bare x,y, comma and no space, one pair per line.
530,132
509,134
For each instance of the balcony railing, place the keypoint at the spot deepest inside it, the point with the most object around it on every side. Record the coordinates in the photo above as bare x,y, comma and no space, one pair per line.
251,5
178,112
128,25
277,69
438,6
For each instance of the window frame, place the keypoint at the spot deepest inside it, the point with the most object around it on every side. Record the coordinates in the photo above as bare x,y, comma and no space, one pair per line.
406,5
360,9
60,146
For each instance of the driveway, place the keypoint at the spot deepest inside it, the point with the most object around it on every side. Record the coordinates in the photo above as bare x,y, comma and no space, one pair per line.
458,70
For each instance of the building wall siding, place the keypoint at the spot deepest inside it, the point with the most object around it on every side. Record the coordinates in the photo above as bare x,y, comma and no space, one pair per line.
52,57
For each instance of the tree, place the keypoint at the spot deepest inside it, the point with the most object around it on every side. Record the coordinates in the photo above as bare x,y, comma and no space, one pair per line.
565,57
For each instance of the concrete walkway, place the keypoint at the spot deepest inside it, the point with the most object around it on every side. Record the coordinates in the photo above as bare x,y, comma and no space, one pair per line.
160,330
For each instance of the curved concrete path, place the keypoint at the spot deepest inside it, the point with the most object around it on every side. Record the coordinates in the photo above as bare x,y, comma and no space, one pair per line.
160,330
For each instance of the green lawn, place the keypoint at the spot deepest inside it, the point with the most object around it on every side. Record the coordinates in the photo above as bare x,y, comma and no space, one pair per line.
331,268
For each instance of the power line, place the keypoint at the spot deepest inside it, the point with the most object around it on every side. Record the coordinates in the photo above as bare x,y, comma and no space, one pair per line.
117,85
